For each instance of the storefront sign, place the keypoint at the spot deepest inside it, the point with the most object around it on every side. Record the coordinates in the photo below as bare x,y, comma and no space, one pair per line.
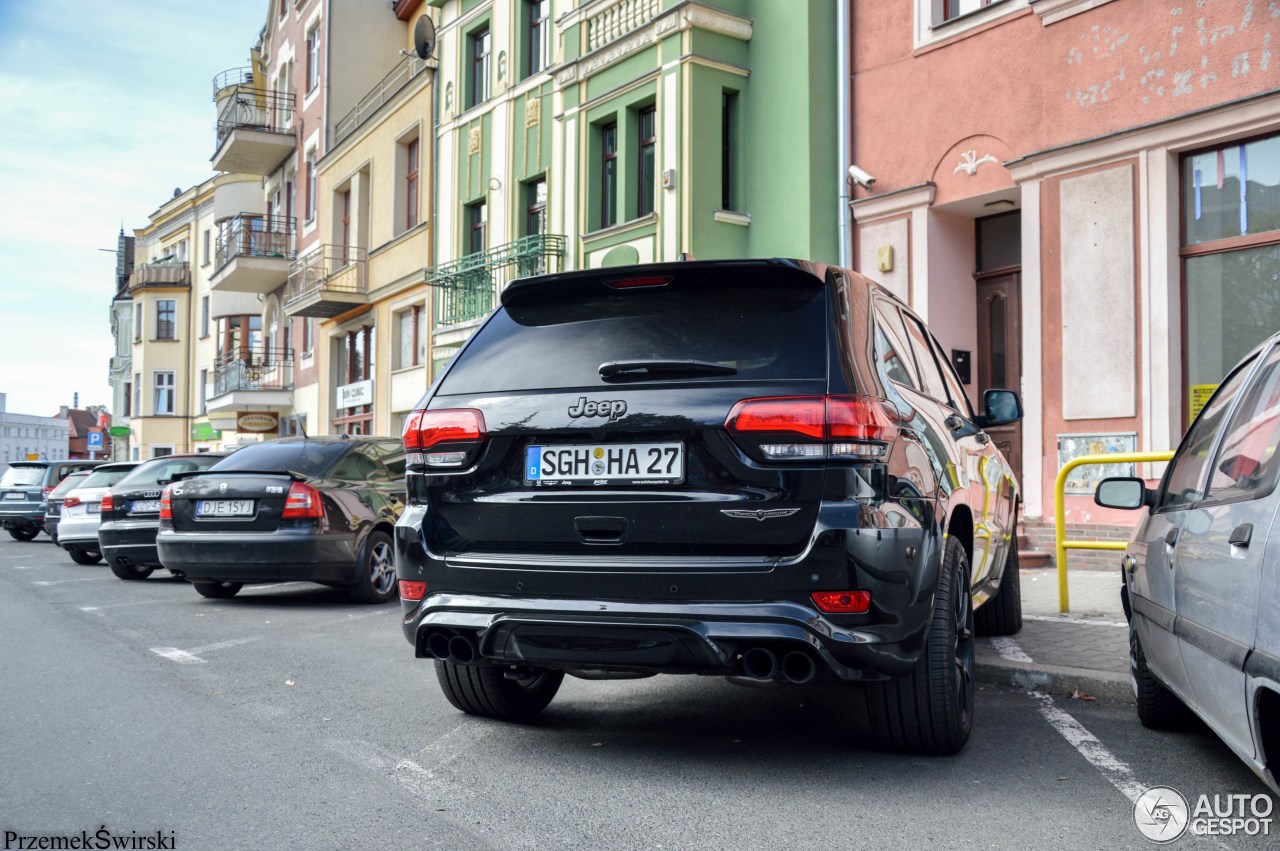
1198,398
258,422
357,393
118,431
201,431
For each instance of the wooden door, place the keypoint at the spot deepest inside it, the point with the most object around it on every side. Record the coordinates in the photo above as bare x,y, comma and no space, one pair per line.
999,352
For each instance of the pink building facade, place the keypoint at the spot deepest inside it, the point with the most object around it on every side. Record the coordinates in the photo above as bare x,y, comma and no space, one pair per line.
1082,197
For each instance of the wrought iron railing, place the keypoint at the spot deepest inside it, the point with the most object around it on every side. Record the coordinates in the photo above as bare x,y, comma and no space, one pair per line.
385,90
619,18
163,272
250,109
466,287
247,235
253,368
242,76
327,268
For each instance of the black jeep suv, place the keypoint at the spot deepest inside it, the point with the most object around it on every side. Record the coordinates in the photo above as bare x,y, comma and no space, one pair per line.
760,469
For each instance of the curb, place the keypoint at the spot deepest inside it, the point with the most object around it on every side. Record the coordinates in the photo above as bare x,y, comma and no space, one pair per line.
1057,679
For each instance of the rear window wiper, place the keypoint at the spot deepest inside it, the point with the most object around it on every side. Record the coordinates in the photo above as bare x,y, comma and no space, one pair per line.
654,367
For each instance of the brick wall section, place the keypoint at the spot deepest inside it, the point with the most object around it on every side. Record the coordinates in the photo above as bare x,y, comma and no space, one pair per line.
1040,537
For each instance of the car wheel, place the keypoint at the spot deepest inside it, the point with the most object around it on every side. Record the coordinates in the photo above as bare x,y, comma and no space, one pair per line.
1158,708
218,590
23,533
1002,614
377,570
487,691
930,710
129,571
85,556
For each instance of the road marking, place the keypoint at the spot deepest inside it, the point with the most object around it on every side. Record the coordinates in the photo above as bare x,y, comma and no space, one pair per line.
65,581
1009,650
1069,619
17,557
221,645
173,654
1107,763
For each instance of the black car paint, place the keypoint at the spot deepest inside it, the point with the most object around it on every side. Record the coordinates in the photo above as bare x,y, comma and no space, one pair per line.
685,587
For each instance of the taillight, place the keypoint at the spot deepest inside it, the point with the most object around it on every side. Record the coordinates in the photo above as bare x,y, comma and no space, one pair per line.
638,283
412,590
108,502
45,491
166,503
70,501
842,602
302,503
446,438
813,427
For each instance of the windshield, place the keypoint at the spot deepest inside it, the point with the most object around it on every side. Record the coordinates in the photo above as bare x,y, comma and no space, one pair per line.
160,471
308,457
101,478
74,480
15,477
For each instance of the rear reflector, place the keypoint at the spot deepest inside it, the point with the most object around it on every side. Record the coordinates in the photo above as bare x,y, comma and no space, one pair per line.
813,427
108,501
166,503
842,602
302,503
638,283
412,590
446,438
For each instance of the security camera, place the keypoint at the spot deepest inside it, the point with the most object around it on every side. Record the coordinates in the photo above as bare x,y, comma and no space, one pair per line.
860,177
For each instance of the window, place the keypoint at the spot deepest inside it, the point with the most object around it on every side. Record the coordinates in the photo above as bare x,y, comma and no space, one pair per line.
646,174
411,185
538,45
311,185
204,316
166,319
137,393
127,400
609,175
889,363
1182,480
344,203
412,340
308,334
354,361
1247,462
204,390
956,8
204,261
163,392
728,145
161,451
313,58
926,367
137,322
284,7
476,226
535,206
478,69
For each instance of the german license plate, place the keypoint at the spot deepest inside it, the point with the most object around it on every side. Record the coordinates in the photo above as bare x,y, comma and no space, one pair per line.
605,464
15,496
92,508
224,507
144,506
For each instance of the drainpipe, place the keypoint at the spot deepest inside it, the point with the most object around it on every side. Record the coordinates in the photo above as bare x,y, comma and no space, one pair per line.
844,133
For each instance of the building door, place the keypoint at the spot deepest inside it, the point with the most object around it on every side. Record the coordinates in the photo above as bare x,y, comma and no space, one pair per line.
1000,351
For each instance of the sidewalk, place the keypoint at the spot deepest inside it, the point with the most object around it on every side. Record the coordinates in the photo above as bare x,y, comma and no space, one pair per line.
1085,651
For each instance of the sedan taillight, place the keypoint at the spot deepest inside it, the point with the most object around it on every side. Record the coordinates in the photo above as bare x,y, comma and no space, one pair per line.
166,504
108,501
70,501
444,439
302,503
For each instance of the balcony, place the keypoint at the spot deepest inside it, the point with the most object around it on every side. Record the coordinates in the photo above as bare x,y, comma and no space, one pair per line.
258,376
466,288
327,281
617,19
253,254
255,126
403,74
165,272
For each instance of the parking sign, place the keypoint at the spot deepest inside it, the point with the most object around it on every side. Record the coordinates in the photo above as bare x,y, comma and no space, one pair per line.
95,440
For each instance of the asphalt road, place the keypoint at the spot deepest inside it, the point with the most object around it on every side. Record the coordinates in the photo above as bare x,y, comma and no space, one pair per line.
288,717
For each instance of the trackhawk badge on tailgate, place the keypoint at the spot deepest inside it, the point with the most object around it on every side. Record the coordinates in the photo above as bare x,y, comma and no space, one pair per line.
760,514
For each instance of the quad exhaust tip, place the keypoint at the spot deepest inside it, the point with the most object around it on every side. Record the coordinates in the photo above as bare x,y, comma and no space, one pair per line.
759,663
796,667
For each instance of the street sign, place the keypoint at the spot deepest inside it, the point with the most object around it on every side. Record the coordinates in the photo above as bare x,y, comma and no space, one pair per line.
95,439
118,431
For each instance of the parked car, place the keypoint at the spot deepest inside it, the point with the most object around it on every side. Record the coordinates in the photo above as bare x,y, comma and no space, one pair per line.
131,512
1202,573
78,520
761,469
25,486
53,503
319,509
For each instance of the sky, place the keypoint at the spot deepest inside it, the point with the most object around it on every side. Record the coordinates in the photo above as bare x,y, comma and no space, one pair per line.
105,108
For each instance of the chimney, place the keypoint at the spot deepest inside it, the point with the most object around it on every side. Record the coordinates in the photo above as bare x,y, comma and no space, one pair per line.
62,411
75,400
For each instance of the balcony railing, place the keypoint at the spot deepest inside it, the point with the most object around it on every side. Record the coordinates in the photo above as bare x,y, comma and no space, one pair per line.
326,281
251,109
409,67
248,235
466,287
165,272
253,368
242,76
619,18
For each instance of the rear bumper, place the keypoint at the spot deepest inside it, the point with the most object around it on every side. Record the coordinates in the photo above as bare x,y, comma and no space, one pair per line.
133,540
282,556
78,533
22,514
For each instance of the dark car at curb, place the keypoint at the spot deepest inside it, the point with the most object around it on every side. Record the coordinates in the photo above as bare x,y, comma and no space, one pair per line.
319,509
131,513
25,486
766,470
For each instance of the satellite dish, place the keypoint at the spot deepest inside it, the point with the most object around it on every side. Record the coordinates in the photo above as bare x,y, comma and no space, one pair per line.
424,37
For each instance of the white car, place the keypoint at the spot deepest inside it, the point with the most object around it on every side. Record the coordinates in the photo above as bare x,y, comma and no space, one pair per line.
81,512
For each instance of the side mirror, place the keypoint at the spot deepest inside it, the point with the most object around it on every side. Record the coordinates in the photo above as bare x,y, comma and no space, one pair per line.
1002,407
1127,493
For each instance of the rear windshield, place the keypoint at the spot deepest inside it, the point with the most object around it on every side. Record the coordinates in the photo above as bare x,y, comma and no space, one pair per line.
101,478
308,457
74,480
765,323
19,476
162,470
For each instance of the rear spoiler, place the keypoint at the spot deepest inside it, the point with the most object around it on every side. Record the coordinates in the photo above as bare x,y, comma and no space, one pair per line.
191,474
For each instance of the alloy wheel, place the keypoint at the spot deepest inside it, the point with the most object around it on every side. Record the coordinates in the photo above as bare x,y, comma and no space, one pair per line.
382,567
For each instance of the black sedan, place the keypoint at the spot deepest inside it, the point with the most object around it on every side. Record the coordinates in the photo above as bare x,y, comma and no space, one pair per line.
131,513
319,509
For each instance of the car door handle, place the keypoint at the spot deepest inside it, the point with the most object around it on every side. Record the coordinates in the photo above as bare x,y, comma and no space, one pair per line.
1171,538
1241,535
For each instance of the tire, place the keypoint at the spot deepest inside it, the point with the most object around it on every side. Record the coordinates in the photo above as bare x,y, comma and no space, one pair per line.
1158,708
930,710
85,556
1002,614
129,571
218,590
23,533
377,570
486,691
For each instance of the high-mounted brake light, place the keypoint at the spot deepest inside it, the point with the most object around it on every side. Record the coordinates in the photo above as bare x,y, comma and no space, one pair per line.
166,503
842,602
638,283
302,503
108,502
412,590
813,427
446,438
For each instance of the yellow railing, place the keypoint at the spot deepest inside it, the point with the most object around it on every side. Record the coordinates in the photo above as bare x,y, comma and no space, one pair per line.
1060,521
